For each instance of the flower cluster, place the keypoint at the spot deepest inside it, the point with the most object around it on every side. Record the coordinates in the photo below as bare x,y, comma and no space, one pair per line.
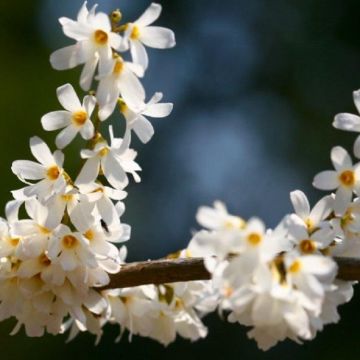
282,282
53,262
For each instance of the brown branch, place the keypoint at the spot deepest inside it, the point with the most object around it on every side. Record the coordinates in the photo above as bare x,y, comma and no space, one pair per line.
188,269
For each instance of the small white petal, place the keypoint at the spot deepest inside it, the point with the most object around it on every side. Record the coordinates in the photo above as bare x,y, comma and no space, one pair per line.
151,14
340,158
89,104
28,169
65,58
348,122
300,203
41,151
139,54
56,120
66,136
68,98
114,172
89,171
143,129
356,97
157,37
158,110
87,130
88,71
357,147
326,180
342,200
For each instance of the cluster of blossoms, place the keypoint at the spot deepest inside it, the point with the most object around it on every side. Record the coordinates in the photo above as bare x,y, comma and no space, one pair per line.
282,282
56,263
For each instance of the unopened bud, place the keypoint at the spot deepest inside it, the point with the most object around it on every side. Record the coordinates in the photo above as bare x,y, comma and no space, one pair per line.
116,16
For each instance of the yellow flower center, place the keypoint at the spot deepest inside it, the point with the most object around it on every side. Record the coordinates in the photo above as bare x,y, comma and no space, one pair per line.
44,260
307,246
89,234
44,230
123,107
67,197
100,37
135,33
295,266
79,117
104,152
235,222
254,239
228,291
53,172
309,224
69,241
347,178
14,241
118,67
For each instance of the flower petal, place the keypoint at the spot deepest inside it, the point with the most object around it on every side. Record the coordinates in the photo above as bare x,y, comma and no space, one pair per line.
157,37
41,151
159,110
65,58
26,169
348,122
143,129
114,172
342,200
89,171
56,120
300,203
66,136
340,158
139,54
326,180
68,98
151,14
88,71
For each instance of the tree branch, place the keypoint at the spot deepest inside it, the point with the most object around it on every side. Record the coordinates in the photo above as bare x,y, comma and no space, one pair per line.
188,269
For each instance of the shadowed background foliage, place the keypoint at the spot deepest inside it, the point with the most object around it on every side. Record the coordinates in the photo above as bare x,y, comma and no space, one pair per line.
255,86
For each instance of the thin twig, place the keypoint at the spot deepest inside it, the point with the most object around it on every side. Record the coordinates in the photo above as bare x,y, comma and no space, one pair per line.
188,269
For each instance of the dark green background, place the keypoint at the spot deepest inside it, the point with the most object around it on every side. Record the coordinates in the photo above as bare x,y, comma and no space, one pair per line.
255,85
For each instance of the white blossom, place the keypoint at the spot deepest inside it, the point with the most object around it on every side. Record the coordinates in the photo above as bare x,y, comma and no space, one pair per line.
139,33
345,179
94,44
74,119
137,122
49,171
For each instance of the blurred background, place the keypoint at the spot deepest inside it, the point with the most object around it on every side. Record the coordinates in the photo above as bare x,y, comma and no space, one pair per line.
255,86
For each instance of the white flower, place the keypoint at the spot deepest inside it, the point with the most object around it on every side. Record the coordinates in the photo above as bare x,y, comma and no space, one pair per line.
109,213
137,121
72,249
34,233
122,79
49,171
345,179
350,122
218,218
113,161
312,275
106,253
308,242
313,218
139,33
131,309
74,119
95,42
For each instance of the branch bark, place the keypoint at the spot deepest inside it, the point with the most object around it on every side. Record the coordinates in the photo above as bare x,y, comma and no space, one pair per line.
189,269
